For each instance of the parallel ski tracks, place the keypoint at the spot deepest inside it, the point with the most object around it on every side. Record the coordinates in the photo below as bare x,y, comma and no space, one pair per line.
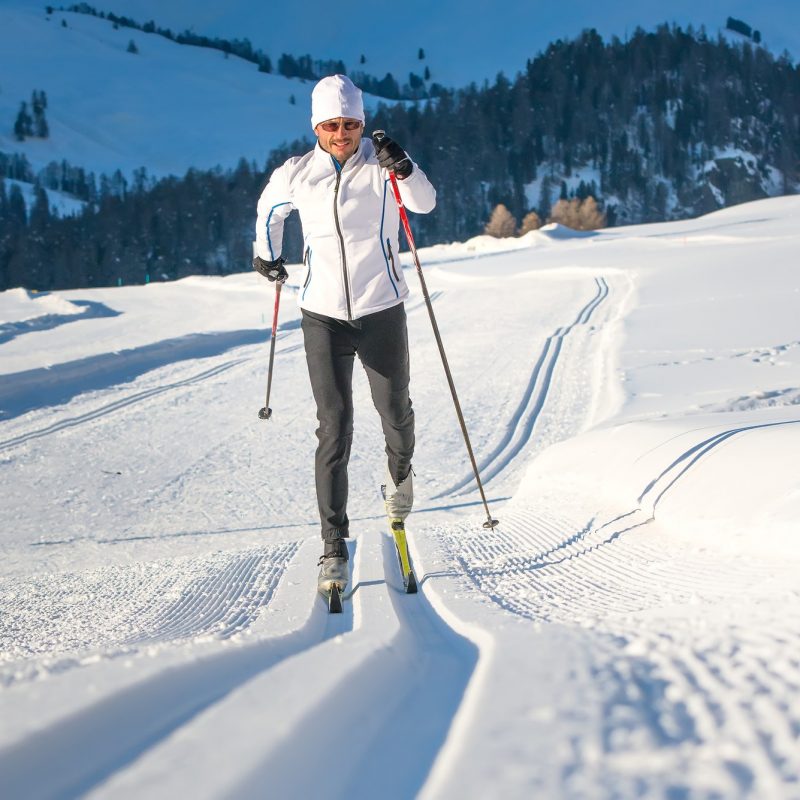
674,687
523,421
87,746
139,397
117,405
409,668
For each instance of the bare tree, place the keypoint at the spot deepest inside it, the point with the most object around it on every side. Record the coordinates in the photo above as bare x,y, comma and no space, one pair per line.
501,223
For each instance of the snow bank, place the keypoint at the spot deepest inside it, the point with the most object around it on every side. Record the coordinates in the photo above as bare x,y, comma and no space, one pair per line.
727,481
18,305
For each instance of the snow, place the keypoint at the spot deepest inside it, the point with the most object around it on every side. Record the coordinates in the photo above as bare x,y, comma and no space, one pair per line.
629,630
61,204
208,110
171,107
585,174
462,42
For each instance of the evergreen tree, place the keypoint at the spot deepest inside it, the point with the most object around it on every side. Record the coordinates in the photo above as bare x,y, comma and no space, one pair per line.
23,126
39,125
40,212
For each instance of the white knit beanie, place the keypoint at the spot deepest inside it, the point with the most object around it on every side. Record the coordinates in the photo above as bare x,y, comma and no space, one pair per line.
336,96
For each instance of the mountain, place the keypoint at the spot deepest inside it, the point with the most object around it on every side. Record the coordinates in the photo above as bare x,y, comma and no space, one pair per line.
665,125
166,108
462,41
172,107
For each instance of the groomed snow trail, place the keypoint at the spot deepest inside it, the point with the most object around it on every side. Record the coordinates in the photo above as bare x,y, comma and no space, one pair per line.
387,682
159,631
693,678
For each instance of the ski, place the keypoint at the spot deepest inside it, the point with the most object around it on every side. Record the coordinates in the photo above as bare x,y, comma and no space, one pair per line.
333,599
398,529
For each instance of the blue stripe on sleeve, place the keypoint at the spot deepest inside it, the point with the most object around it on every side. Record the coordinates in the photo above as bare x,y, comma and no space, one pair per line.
269,238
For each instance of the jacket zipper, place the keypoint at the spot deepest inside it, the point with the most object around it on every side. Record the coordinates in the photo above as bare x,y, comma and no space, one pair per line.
345,276
391,259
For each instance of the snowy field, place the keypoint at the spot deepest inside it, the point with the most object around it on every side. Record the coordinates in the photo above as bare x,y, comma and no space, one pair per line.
631,629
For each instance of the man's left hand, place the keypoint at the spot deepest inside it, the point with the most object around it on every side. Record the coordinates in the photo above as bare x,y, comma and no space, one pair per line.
392,156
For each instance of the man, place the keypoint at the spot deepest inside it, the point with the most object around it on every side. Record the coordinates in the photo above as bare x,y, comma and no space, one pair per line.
351,298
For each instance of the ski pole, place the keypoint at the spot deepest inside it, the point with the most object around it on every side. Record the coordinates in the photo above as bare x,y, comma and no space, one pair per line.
266,412
377,136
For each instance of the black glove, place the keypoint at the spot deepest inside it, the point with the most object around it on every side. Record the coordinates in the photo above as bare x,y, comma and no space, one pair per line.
271,270
392,156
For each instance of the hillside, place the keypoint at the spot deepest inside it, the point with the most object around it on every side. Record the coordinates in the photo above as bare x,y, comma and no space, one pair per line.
463,42
172,107
664,126
167,108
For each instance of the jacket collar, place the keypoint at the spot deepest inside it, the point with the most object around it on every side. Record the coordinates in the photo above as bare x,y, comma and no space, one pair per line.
327,163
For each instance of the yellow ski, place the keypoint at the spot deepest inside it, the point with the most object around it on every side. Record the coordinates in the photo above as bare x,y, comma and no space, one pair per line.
399,533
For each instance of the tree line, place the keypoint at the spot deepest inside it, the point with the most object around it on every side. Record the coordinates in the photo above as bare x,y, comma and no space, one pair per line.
667,124
289,66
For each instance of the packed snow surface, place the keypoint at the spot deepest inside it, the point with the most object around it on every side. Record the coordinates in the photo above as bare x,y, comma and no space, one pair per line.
630,629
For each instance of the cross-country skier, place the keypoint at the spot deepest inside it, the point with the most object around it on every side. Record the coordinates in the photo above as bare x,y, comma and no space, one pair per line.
351,298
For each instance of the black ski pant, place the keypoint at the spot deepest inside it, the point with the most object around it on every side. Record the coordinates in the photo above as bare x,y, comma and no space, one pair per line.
381,342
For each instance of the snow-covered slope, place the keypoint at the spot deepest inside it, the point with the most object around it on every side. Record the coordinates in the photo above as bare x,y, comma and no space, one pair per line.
171,107
462,42
629,630
168,108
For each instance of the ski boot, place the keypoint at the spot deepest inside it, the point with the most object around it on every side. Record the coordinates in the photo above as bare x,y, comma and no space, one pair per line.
334,573
398,498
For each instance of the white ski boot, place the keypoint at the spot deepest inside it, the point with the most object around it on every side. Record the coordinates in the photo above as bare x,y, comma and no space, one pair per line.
334,569
398,499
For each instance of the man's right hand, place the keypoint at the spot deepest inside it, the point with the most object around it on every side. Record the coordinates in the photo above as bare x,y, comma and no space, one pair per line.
271,270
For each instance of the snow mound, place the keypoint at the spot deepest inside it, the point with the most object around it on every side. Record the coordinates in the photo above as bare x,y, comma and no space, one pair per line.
18,305
555,230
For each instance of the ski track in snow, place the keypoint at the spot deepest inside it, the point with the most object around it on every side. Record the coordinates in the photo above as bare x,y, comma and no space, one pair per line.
407,665
110,408
669,700
695,695
396,673
681,465
520,428
117,610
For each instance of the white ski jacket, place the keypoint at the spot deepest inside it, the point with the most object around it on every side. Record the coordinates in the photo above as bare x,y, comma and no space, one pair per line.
350,228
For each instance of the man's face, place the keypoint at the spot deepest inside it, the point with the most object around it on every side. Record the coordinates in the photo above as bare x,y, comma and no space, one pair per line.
340,137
